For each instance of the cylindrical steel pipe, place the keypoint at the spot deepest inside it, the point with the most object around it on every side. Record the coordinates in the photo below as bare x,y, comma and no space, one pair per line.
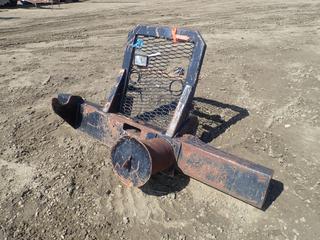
134,161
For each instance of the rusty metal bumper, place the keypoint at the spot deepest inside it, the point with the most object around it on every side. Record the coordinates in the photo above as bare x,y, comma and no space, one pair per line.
237,177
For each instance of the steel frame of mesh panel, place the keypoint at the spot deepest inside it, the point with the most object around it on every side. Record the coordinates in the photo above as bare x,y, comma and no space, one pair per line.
183,106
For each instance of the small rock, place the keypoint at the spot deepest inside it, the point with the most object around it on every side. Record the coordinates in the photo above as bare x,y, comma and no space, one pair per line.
125,220
210,236
182,237
220,229
295,232
287,125
172,195
46,81
165,236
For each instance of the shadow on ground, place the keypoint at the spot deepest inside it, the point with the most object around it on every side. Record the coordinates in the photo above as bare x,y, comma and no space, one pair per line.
275,189
8,18
215,117
162,184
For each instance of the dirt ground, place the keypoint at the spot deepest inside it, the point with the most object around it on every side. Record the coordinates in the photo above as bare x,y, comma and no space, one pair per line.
262,69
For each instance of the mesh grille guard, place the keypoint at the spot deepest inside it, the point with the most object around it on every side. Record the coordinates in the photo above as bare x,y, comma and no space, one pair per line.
154,90
162,67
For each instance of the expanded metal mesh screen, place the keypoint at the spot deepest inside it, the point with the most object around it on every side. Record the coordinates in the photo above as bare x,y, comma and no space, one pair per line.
154,89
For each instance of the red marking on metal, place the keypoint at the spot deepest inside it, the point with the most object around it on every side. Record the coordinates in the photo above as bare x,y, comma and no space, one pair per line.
174,34
182,37
87,109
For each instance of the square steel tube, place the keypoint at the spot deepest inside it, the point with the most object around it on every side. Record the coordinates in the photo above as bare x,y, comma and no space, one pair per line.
230,174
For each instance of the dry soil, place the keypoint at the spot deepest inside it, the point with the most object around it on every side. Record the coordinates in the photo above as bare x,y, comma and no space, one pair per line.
262,69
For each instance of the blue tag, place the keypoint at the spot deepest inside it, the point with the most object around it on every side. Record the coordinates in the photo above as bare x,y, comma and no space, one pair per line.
138,44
